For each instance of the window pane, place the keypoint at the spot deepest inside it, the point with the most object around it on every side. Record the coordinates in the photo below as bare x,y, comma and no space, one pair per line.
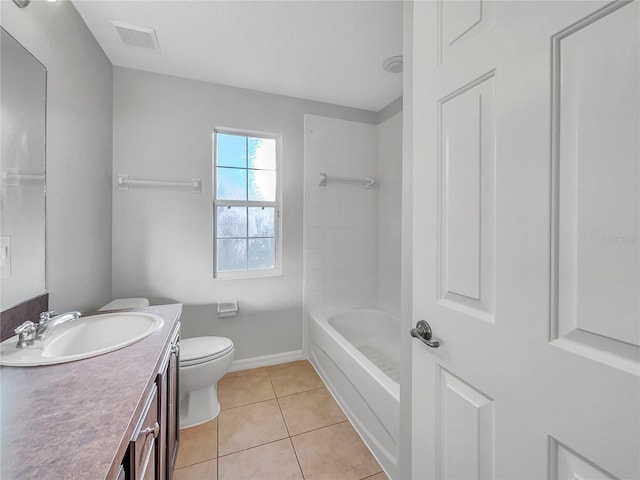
232,222
232,255
261,221
231,184
262,185
261,253
262,153
231,150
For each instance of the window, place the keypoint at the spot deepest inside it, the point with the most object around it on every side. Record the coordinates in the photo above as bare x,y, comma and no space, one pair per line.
246,204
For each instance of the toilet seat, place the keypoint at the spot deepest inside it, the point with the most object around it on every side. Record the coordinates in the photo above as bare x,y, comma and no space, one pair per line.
194,351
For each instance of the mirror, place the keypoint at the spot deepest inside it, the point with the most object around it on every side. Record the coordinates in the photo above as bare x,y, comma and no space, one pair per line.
23,81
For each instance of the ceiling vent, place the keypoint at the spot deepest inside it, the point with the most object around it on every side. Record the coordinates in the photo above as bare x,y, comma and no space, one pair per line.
135,36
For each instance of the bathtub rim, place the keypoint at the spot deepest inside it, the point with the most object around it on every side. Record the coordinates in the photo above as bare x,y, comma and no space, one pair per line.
322,316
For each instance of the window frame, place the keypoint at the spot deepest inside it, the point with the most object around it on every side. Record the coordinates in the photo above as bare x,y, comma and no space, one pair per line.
277,204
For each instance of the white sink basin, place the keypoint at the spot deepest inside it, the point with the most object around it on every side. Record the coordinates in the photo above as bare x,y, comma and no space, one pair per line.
81,338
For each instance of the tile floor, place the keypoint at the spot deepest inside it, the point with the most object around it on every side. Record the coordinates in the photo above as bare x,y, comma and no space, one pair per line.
275,423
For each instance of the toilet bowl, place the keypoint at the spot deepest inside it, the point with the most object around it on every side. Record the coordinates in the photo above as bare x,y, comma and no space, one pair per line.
203,361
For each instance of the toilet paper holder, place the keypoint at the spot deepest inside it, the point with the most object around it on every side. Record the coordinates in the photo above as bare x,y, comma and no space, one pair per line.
227,309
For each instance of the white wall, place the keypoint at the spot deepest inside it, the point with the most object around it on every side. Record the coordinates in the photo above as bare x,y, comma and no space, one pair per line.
162,239
340,219
79,131
352,234
389,213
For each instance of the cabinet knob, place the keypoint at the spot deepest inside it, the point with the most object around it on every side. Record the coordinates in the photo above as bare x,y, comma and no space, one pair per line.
155,430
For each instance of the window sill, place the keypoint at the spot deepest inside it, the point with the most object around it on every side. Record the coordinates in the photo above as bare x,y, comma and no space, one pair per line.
247,274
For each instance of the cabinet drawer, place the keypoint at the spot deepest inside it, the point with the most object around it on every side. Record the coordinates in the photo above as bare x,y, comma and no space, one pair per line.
142,448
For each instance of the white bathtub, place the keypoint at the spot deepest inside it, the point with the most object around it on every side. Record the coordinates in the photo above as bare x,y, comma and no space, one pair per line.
357,354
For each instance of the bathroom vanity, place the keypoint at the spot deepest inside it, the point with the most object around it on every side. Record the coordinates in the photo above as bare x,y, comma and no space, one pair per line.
113,416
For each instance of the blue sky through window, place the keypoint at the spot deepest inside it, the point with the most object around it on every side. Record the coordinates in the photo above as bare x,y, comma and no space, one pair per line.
246,168
245,172
232,150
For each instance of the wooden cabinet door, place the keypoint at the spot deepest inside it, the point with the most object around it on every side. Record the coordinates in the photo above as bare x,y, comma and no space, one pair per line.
173,410
143,448
163,410
167,382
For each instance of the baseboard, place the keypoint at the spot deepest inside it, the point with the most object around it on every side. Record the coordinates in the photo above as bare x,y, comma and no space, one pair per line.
266,360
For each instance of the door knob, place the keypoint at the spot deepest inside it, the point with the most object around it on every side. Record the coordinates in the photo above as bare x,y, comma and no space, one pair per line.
423,333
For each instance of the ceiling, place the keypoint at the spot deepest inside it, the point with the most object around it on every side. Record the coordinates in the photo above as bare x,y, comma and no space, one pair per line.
328,51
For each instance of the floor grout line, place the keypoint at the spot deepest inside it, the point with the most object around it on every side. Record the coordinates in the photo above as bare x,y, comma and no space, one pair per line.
255,446
288,432
280,409
296,393
246,404
289,436
304,391
273,398
295,452
266,369
320,428
196,463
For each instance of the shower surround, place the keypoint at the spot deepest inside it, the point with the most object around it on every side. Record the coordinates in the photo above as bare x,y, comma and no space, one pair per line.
352,268
352,233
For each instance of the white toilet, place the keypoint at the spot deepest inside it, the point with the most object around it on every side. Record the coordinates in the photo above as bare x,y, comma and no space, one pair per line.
203,361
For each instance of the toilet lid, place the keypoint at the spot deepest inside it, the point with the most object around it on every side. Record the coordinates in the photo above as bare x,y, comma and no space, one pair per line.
202,349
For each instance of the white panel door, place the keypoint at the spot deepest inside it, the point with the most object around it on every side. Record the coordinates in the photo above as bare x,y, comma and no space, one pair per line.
525,129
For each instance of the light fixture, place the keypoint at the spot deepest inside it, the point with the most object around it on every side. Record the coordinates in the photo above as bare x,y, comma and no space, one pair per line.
393,64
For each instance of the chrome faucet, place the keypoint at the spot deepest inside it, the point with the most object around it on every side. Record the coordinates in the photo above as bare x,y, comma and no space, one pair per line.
47,322
26,334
